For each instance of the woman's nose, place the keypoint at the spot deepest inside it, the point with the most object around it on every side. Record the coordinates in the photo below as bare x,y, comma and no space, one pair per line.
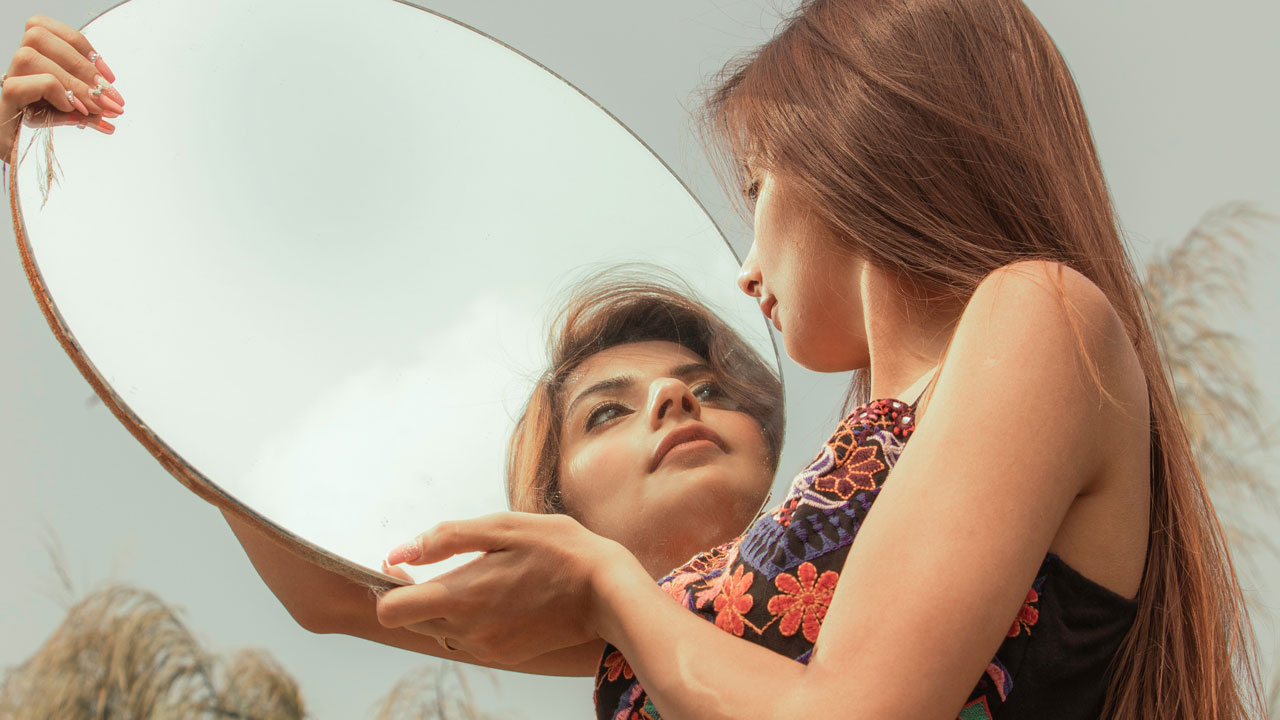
749,277
669,399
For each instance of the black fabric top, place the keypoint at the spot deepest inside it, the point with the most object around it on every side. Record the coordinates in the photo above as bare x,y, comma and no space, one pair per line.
773,584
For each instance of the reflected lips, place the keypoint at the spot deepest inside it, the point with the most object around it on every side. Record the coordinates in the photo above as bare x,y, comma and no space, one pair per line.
682,435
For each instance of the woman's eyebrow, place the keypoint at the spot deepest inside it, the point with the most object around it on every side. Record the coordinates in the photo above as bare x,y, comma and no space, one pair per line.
689,370
620,382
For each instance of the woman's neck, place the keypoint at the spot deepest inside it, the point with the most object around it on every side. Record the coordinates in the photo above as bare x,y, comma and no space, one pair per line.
907,333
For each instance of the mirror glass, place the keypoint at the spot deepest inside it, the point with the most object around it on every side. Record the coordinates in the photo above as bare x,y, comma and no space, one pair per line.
315,260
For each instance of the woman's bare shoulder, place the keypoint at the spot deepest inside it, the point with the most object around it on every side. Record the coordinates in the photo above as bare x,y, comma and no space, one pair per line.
1038,307
1088,375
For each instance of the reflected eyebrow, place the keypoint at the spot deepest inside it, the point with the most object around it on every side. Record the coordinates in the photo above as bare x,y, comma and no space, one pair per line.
621,382
625,382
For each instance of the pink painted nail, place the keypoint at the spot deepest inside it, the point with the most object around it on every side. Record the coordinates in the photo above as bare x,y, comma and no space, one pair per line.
105,88
77,103
405,553
109,104
102,126
101,64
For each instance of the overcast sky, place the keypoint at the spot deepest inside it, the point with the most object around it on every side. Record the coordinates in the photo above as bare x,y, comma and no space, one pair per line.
1180,97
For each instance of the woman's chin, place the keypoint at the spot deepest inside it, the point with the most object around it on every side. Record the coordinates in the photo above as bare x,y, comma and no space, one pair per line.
711,507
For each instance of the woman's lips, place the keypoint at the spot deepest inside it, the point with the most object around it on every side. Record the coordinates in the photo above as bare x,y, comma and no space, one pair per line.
681,436
766,307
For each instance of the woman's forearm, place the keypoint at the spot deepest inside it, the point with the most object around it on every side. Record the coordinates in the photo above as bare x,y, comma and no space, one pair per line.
323,601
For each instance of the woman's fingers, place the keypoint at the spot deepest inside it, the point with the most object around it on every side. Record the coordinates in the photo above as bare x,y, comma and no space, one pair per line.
24,90
53,47
396,572
483,534
414,605
78,42
28,62
53,118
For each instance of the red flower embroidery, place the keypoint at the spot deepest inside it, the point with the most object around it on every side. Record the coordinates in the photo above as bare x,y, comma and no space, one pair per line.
1027,615
716,558
677,586
804,600
786,511
616,665
854,474
733,602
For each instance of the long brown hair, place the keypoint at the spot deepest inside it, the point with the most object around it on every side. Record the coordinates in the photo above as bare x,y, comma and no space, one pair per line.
941,140
619,306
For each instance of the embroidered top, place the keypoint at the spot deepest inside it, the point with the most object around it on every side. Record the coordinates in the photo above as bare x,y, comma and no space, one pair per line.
773,584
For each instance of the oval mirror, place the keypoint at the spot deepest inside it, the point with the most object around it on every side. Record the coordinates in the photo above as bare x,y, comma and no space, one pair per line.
311,269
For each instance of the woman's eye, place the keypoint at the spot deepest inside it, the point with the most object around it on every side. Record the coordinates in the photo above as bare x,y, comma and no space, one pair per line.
604,413
752,191
707,392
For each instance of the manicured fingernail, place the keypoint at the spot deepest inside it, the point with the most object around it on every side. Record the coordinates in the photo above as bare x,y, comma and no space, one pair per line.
110,115
405,553
102,126
101,64
107,90
77,103
109,104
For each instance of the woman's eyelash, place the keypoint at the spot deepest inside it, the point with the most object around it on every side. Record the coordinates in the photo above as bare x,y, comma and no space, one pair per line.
596,416
709,390
752,191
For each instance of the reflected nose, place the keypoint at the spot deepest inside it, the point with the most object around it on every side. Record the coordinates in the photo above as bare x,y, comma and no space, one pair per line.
670,399
749,277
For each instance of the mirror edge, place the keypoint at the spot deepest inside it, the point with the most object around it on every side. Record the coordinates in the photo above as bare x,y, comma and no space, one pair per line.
178,467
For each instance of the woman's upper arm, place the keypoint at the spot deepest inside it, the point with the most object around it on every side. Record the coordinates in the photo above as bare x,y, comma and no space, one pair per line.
1013,433
323,601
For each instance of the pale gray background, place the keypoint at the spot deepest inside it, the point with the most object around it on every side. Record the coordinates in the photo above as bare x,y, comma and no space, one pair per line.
1182,103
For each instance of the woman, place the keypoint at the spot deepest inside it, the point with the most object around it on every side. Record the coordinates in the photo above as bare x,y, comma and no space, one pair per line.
926,194
596,414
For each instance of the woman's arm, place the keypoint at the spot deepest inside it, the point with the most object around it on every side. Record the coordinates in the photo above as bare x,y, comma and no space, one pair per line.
1016,430
322,601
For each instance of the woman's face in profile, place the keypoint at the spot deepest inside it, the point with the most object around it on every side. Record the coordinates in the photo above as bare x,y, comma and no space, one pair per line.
655,456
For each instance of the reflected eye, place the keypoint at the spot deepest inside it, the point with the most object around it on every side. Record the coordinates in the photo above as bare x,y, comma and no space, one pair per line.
752,191
708,392
605,412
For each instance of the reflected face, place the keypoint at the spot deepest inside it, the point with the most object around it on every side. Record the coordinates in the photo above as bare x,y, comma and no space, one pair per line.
808,288
655,456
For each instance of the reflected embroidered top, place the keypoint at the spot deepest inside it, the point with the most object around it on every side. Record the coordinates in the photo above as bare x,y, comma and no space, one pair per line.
773,584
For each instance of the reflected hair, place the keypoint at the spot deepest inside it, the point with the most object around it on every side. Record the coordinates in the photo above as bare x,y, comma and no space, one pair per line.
940,140
616,307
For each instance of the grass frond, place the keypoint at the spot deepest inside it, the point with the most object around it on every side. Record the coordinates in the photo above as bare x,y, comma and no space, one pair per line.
1190,289
440,691
254,685
122,653
119,653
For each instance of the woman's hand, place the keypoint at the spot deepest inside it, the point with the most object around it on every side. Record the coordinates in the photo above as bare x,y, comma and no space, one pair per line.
535,590
58,67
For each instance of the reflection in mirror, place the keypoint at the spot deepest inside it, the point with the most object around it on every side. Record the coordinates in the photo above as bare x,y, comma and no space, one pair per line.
323,308
654,424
